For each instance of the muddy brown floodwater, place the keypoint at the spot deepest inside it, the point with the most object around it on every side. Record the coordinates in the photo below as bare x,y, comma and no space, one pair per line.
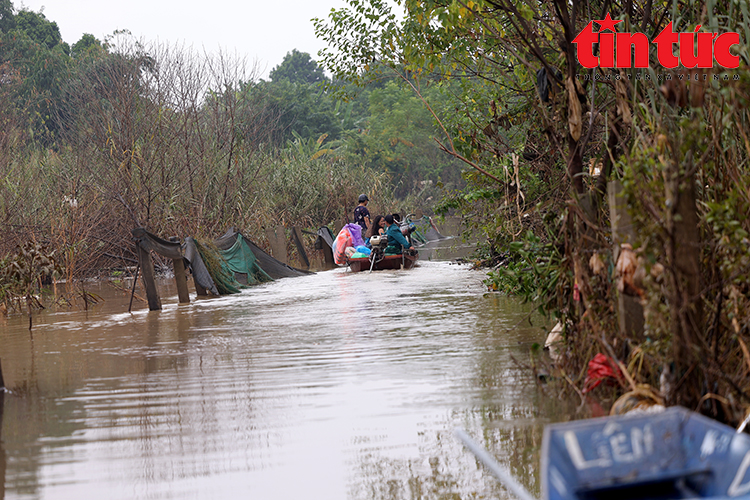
329,386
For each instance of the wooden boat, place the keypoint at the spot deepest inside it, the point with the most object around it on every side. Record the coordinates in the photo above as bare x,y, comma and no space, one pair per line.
673,454
646,456
378,260
407,260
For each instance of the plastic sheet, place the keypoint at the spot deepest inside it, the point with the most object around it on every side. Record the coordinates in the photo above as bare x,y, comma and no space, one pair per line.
601,369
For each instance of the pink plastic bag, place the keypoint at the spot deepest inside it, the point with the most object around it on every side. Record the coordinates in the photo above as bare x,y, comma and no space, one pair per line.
340,244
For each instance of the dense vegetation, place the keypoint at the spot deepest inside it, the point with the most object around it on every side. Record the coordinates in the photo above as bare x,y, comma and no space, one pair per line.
106,135
666,298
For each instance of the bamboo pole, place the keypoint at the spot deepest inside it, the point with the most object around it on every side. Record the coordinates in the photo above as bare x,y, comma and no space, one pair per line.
135,282
504,475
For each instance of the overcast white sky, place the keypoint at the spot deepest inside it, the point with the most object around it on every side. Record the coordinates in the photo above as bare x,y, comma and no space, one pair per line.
262,31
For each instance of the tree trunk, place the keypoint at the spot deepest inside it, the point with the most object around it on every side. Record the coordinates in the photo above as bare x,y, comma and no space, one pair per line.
686,312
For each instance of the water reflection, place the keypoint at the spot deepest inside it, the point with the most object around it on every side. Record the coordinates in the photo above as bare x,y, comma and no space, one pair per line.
334,385
444,250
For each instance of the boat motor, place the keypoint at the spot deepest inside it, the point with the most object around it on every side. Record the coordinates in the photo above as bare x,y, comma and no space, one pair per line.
379,242
407,229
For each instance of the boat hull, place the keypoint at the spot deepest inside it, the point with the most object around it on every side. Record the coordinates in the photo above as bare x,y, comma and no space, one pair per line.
388,262
648,456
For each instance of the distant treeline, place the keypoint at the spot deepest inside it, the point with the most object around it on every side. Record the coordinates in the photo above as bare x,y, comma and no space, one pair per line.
105,135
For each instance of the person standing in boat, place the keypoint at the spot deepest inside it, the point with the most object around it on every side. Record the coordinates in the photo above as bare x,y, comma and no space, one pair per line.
361,214
397,243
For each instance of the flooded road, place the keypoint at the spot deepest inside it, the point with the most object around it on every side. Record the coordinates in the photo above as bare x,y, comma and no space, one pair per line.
329,386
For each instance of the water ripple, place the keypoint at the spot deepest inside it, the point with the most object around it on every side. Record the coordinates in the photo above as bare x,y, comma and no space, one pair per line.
334,385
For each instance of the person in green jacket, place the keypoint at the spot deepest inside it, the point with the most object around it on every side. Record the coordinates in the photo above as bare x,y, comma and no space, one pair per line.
396,241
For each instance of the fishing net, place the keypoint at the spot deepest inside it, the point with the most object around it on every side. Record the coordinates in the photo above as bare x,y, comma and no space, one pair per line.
268,266
218,268
242,262
195,263
426,230
223,266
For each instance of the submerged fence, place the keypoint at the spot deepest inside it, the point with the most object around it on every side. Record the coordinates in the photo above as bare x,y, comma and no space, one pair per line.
219,267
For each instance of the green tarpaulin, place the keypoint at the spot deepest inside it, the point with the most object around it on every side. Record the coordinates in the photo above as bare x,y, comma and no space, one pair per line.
223,266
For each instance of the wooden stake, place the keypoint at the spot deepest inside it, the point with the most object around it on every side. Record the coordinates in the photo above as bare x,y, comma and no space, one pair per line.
181,280
28,306
277,241
149,282
297,237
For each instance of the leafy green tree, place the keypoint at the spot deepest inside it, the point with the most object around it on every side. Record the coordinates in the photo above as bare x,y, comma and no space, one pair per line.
35,53
352,107
305,109
368,42
39,28
298,97
298,67
7,18
87,44
400,139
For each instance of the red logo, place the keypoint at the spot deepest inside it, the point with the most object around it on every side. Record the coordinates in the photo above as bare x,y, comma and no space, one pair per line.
625,50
